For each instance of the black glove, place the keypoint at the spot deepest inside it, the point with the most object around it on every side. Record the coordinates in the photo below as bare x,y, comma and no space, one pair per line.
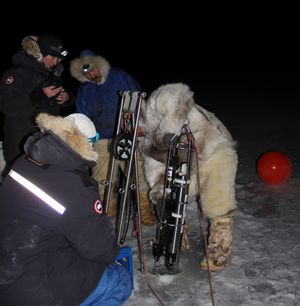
167,138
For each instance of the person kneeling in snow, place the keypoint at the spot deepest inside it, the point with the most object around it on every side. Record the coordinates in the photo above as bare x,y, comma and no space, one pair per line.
164,113
57,246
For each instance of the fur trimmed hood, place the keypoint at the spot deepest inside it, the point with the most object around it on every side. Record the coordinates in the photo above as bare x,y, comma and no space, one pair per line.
41,46
30,46
67,131
172,105
100,62
167,109
166,103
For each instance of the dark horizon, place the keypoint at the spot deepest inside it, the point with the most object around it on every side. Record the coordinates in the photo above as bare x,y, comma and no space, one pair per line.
216,48
223,56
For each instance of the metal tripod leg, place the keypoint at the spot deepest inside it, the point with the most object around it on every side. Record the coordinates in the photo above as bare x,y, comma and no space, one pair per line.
128,119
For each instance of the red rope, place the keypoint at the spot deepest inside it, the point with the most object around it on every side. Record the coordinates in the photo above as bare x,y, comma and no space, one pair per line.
198,200
143,266
140,243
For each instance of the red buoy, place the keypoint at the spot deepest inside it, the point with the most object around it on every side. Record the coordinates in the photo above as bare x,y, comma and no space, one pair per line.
274,168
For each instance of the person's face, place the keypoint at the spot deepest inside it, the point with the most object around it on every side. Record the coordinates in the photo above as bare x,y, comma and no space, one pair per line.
94,75
50,61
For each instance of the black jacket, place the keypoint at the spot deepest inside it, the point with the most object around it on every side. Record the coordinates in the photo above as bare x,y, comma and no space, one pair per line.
21,97
48,258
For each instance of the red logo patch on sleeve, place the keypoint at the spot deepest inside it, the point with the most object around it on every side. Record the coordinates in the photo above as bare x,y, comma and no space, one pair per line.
9,80
98,207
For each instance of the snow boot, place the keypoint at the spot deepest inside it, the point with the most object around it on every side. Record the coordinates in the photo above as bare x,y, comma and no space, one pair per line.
219,243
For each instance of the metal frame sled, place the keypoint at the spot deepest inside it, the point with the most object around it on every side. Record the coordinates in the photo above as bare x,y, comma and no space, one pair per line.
123,158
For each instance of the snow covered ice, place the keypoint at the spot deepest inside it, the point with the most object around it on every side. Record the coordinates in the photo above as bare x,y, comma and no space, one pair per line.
265,265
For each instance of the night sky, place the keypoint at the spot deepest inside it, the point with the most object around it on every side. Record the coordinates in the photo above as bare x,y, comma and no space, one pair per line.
217,49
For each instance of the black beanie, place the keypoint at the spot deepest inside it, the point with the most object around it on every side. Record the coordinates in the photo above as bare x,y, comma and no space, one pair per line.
51,45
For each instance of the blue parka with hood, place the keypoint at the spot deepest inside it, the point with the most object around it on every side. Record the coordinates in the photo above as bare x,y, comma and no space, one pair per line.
100,102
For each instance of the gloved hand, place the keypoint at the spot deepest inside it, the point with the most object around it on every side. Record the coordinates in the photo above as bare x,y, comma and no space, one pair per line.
167,138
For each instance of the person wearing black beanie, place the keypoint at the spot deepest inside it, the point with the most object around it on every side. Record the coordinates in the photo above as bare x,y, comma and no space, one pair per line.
51,45
32,85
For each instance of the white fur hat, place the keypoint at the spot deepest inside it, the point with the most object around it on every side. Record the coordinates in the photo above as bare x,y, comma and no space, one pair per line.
85,125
